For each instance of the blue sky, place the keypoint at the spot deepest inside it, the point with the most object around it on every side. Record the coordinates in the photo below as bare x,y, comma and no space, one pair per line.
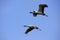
15,14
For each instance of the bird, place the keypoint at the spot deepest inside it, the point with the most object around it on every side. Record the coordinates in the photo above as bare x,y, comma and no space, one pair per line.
40,10
30,28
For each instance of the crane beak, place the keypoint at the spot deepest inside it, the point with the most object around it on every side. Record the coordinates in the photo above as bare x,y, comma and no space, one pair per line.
31,12
25,26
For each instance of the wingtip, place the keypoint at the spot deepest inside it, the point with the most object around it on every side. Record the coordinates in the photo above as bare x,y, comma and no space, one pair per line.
25,32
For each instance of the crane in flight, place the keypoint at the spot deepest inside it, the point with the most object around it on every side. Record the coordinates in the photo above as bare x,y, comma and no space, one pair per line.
30,28
40,10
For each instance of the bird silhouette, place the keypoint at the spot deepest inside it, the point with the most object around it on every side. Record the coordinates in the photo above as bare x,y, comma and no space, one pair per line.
30,28
40,10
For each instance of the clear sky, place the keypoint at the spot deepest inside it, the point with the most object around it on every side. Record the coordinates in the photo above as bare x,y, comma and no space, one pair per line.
14,14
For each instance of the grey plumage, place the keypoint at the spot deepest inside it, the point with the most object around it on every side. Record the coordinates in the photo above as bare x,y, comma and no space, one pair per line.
30,28
40,10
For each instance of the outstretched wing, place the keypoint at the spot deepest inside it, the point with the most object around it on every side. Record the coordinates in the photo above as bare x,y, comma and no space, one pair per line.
41,7
28,30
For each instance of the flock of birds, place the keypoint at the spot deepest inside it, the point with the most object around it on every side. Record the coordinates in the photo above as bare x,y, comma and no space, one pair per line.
35,13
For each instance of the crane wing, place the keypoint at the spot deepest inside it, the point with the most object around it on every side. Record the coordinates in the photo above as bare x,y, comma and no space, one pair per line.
28,30
41,9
